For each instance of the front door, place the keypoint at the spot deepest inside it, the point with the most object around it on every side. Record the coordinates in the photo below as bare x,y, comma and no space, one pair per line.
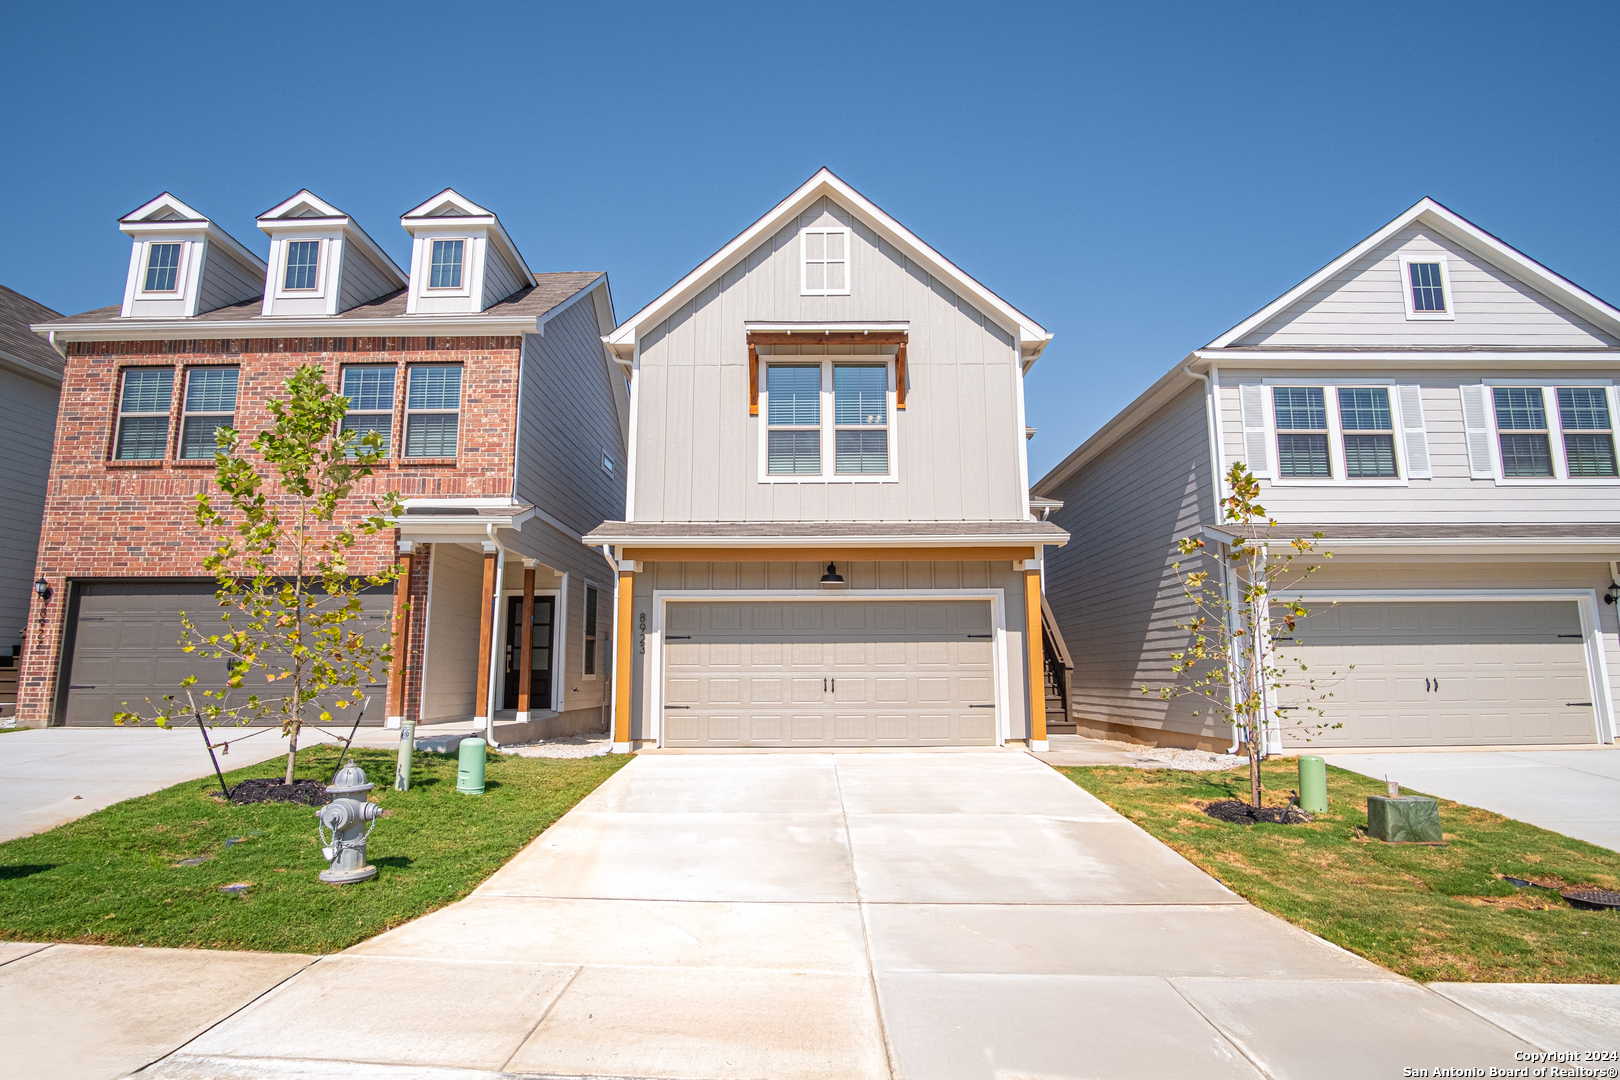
540,656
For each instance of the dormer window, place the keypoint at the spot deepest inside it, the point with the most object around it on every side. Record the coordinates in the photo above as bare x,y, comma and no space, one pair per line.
825,263
1426,286
303,264
446,272
162,268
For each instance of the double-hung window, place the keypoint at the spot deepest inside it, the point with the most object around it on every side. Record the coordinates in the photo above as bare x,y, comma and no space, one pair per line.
303,265
1302,431
210,404
1544,432
1583,412
144,402
1369,431
1522,433
589,669
433,411
162,268
793,419
861,419
370,391
445,271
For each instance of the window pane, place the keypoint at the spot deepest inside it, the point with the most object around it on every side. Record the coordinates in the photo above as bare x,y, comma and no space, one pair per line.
1300,408
860,395
431,435
863,452
1590,455
301,264
815,245
446,265
1364,408
815,275
794,394
590,612
1521,408
1302,455
590,656
1526,455
198,438
794,452
211,390
162,267
147,390
835,246
835,277
1369,455
1584,407
369,387
142,438
435,388
365,422
1427,292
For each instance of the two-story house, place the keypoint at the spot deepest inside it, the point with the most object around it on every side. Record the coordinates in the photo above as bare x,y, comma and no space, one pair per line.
1441,408
504,417
827,539
30,380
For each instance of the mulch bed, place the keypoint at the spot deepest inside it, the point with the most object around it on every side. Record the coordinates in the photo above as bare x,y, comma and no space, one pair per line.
1240,813
272,789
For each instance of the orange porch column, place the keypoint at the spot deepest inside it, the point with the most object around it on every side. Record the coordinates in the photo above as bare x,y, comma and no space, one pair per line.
624,642
401,638
1035,649
486,635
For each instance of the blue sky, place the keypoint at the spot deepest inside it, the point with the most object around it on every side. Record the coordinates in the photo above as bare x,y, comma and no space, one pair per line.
1137,178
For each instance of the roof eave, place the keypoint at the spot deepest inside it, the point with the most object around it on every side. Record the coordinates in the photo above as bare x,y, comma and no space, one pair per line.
290,326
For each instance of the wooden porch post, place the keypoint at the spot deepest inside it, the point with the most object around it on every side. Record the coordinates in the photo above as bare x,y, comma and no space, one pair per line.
486,635
395,713
1035,649
526,653
623,657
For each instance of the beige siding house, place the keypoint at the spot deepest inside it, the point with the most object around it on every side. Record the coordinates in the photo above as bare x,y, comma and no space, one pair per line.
827,538
1441,408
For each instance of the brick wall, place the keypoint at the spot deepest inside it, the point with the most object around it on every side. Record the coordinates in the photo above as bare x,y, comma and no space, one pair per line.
108,519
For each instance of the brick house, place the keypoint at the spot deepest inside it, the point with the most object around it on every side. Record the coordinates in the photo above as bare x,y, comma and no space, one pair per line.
504,415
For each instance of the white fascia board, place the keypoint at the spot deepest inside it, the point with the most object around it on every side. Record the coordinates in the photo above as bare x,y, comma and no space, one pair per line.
1602,547
351,231
1032,337
200,226
1407,358
472,214
584,292
1464,232
743,543
293,326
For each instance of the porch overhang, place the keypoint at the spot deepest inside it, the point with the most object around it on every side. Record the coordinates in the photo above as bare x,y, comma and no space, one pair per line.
1557,543
812,541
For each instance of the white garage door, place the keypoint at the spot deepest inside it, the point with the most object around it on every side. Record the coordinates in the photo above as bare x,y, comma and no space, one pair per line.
812,673
1437,674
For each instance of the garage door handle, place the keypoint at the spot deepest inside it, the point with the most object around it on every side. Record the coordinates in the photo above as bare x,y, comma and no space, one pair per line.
79,686
981,706
677,706
980,635
677,637
1572,635
1577,703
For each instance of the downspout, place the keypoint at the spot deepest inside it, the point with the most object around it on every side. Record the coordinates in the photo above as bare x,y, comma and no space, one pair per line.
1210,405
494,626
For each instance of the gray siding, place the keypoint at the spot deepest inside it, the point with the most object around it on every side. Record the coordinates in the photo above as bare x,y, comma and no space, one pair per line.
360,279
1113,589
958,440
28,419
1363,307
569,422
226,281
500,279
1451,497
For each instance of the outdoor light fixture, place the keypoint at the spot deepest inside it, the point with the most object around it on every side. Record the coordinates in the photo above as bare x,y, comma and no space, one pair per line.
1613,593
42,589
831,579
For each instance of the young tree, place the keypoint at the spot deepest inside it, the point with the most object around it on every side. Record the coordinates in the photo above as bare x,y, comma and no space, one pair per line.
289,602
1241,611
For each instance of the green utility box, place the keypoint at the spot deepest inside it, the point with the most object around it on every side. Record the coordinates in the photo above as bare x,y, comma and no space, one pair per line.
470,766
1312,784
1403,819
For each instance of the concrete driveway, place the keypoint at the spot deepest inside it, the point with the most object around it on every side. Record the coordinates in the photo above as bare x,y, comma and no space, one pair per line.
1574,792
850,915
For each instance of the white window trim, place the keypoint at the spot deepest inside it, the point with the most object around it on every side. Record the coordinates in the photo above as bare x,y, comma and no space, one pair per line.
321,253
465,288
584,603
1413,315
1337,474
829,437
1555,432
804,287
180,274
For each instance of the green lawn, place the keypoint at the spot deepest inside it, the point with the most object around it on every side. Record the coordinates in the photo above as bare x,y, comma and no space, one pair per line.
1430,913
111,878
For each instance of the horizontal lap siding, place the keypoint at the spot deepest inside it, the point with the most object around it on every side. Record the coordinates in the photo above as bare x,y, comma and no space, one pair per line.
226,281
500,279
361,279
1113,590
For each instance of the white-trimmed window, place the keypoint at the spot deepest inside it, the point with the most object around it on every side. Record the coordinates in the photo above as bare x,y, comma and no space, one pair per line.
824,263
1426,286
793,419
861,419
144,400
1368,425
828,419
303,272
162,268
1522,432
589,658
210,404
1302,431
370,390
433,411
445,266
1325,434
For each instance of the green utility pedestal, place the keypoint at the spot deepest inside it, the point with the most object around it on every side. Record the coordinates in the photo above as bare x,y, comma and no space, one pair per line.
1312,785
470,767
1404,819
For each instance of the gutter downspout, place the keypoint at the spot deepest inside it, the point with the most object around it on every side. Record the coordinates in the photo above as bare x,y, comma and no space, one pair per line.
1210,405
494,638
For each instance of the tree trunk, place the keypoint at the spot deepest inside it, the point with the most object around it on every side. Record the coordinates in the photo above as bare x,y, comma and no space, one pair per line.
292,751
1254,774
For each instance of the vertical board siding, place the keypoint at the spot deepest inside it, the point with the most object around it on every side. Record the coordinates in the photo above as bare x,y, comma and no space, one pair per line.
1363,306
28,417
1113,588
226,281
958,439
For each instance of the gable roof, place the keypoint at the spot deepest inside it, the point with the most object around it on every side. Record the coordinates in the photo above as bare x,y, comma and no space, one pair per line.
1427,212
1032,337
451,204
167,214
17,344
306,207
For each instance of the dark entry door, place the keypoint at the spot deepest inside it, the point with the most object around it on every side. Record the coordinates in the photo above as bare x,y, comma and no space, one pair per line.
539,659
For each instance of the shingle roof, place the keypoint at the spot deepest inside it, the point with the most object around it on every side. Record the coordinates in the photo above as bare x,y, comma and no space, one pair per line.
552,290
17,312
631,531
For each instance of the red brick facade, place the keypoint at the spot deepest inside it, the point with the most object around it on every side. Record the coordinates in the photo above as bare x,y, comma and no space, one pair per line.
115,519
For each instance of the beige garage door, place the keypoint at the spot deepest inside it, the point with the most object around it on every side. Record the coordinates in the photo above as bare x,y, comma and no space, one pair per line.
1444,674
834,673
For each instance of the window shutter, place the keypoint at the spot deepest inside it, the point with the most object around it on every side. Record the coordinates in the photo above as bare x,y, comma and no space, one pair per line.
1256,439
1477,431
1414,436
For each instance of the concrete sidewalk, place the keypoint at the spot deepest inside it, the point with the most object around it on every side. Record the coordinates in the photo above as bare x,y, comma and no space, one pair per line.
910,915
1574,792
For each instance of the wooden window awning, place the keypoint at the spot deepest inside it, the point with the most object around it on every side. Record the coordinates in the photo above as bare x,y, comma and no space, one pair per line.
827,337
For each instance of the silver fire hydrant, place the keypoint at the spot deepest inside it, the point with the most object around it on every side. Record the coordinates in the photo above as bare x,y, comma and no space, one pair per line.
343,818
